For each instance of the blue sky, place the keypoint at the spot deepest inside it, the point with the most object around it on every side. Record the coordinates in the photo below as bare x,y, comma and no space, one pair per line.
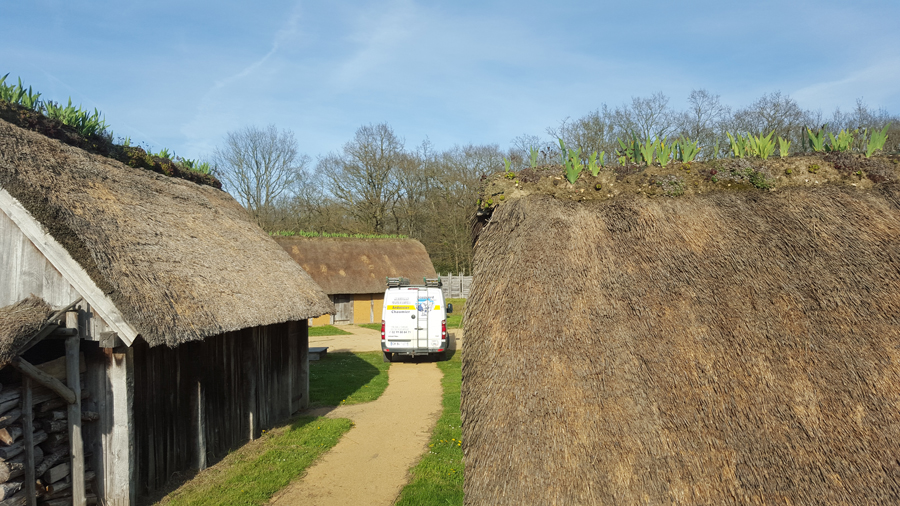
181,74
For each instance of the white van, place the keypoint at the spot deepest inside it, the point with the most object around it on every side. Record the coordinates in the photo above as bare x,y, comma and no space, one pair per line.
414,319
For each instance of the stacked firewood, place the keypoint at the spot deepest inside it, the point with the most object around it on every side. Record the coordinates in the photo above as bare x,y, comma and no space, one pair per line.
53,484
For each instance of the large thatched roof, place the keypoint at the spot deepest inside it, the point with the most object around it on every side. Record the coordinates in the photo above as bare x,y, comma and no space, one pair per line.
725,347
180,261
19,322
348,266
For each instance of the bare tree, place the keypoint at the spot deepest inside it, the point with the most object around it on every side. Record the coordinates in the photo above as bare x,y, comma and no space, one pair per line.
363,177
777,112
595,131
260,167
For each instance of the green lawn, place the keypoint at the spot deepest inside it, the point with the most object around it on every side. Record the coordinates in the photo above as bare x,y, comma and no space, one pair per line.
327,330
373,326
256,471
454,320
347,378
438,478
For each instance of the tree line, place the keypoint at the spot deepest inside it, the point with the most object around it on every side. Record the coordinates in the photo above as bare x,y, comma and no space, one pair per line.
375,184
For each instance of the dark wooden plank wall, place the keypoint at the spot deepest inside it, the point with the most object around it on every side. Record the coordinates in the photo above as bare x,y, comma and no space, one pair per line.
253,373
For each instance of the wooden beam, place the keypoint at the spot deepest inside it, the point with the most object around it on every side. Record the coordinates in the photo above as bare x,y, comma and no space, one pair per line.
304,365
70,269
76,444
44,379
28,427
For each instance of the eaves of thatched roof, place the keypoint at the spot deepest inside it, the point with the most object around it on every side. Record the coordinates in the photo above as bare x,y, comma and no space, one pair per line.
354,266
19,322
176,261
718,347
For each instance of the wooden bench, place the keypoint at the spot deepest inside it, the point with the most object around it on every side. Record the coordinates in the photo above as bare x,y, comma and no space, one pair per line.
315,353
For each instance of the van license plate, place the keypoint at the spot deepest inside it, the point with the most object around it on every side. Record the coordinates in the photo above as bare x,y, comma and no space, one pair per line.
398,344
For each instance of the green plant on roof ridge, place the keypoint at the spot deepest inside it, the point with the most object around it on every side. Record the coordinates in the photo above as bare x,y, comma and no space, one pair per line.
19,95
85,123
738,144
195,165
876,141
533,156
663,151
760,146
843,141
593,166
573,165
817,140
686,150
647,149
784,146
630,151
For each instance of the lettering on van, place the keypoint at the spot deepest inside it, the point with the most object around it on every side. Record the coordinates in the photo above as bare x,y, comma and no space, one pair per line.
401,308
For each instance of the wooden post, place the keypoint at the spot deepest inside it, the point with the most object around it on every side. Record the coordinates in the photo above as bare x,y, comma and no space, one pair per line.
199,424
250,372
76,444
292,371
304,365
28,427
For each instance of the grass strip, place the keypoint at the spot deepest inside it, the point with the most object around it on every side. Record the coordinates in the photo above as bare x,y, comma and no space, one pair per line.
256,471
455,319
373,326
327,330
438,477
347,378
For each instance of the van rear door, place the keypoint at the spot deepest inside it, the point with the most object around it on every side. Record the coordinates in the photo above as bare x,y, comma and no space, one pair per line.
424,304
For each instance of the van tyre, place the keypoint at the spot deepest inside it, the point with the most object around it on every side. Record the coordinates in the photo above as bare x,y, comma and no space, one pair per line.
388,357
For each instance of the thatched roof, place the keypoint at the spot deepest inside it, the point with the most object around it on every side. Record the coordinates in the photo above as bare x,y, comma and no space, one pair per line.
728,347
19,322
348,266
180,261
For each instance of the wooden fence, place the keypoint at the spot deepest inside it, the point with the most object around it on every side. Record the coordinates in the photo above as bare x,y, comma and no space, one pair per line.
456,286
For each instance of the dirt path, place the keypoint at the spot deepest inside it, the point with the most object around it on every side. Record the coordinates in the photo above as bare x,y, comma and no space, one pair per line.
370,463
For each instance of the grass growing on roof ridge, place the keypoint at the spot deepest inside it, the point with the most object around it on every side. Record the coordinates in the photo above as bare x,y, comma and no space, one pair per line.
438,477
347,378
255,472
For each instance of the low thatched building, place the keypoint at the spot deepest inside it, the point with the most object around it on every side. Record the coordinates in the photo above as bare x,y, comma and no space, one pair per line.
735,341
193,321
352,271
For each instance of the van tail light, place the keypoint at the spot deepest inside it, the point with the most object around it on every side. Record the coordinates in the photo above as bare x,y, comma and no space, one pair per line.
443,329
382,330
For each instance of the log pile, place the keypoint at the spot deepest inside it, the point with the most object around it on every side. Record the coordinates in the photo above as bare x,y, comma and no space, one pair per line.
53,484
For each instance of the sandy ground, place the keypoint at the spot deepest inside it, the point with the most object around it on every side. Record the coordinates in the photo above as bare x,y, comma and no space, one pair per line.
370,463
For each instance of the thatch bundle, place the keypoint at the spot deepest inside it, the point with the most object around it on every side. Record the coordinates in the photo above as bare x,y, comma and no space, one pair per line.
352,266
19,322
181,261
732,346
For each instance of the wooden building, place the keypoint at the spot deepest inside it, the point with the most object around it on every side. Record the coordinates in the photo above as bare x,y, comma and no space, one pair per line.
192,321
352,271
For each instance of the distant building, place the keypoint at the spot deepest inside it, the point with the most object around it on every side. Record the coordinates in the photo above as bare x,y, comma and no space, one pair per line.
352,271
